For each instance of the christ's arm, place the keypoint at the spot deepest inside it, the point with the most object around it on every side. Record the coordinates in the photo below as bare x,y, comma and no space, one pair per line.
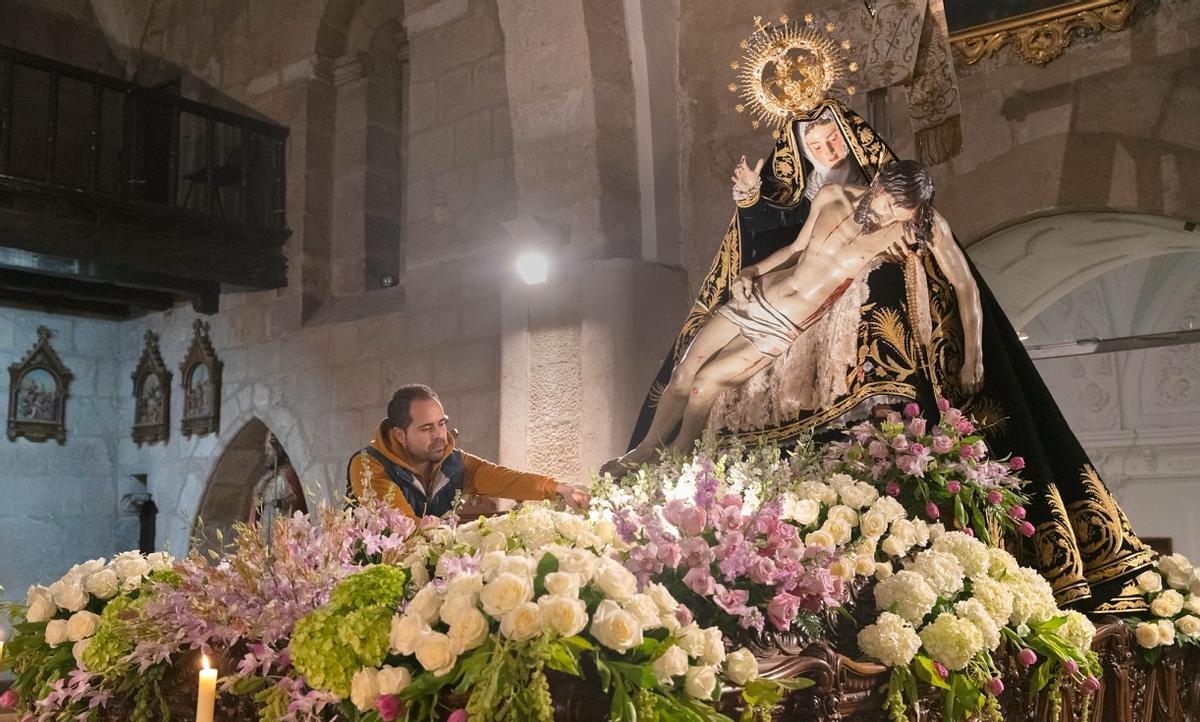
953,263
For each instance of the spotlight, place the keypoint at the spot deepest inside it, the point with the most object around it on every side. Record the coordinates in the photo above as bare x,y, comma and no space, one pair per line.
387,280
533,267
1022,336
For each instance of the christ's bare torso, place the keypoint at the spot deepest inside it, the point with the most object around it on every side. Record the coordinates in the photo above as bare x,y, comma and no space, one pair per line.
838,250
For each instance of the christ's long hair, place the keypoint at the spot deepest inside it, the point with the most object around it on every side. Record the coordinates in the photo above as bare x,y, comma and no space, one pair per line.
909,184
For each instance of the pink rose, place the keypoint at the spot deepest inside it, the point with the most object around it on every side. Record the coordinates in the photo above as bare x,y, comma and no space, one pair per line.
965,426
782,610
1017,463
995,497
670,555
966,451
878,449
911,410
390,707
900,443
1027,657
700,580
689,520
943,405
1026,529
942,444
1017,513
994,686
762,570
732,601
954,486
893,489
916,427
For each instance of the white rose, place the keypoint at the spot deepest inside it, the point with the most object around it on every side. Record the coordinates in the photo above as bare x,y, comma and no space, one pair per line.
839,530
905,530
104,584
494,542
425,605
90,567
562,583
662,597
468,584
455,605
564,615
131,569
644,609
801,511
1195,587
889,508
1166,632
820,538
522,623
1148,635
615,580
699,682
843,512
935,531
77,651
864,565
40,605
741,667
714,646
883,570
505,593
1192,604
68,594
81,625
672,663
468,630
920,532
1188,625
1167,604
1178,570
570,526
405,633
692,640
580,562
518,565
615,628
873,524
159,561
393,680
489,564
1149,582
843,568
56,632
436,654
364,689
894,546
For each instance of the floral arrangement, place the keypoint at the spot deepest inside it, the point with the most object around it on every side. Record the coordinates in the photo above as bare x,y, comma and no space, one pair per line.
507,600
951,608
62,626
1172,592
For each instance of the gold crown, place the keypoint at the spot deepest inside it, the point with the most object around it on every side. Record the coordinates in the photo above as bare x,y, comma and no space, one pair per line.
788,68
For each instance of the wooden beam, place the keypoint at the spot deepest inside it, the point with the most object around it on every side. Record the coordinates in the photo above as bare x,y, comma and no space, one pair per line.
60,304
21,281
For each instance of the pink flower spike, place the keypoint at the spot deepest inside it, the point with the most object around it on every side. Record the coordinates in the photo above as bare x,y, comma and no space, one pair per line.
953,486
943,405
941,670
1071,666
1026,529
1017,463
1017,513
995,497
994,686
1027,657
893,489
1091,685
932,511
911,410
458,715
9,699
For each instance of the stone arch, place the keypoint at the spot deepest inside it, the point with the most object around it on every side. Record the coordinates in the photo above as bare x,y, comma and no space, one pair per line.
229,492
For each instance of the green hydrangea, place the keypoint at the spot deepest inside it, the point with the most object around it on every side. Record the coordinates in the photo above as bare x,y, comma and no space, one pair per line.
112,640
329,645
378,585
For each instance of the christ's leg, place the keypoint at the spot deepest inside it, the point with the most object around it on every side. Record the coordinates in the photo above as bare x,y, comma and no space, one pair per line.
736,363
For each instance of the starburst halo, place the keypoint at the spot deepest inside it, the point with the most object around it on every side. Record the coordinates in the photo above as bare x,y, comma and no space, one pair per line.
788,68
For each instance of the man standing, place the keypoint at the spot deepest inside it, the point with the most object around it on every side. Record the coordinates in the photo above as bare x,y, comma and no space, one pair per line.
413,465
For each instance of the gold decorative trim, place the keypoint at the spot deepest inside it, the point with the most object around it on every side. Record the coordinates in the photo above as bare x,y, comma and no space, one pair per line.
1043,36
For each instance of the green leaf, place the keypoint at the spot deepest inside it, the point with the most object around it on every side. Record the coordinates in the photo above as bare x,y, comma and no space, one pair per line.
927,673
606,675
249,685
563,659
1040,677
578,643
960,514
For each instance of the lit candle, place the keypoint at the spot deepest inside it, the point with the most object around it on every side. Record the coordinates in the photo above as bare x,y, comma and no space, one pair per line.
206,699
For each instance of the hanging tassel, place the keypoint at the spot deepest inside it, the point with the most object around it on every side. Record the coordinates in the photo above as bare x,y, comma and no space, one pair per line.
941,142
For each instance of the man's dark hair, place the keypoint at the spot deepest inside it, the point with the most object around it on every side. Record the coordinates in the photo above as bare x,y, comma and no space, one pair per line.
399,410
909,183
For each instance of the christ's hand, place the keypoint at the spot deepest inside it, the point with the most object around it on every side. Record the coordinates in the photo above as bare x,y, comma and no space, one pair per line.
741,286
744,178
971,376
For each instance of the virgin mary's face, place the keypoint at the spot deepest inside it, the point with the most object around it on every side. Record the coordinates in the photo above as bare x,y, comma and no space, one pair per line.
825,144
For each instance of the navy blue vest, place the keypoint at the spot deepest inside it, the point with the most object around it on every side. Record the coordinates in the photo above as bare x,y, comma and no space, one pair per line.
443,497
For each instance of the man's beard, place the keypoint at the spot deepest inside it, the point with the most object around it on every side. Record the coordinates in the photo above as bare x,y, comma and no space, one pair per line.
864,216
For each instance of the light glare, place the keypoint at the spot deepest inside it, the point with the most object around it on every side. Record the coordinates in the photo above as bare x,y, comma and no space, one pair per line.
533,267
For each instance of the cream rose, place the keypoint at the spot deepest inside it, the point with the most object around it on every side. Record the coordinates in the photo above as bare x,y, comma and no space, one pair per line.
81,625
1178,570
615,628
838,529
662,597
894,546
426,605
873,524
104,584
1167,604
505,593
405,633
820,538
564,615
393,680
1192,604
56,632
364,689
842,568
68,594
614,580
466,584
643,608
522,623
692,640
801,511
1149,582
883,570
714,647
455,605
672,663
519,565
1188,625
78,649
40,606
699,682
564,583
1148,635
468,630
741,666
864,565
435,652
1166,632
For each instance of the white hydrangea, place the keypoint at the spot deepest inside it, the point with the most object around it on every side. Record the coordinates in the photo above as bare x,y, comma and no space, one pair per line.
952,641
1078,630
941,570
995,597
891,640
1033,599
974,612
907,594
1000,563
971,553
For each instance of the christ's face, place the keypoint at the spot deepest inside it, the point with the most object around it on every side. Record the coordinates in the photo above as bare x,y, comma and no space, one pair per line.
825,144
887,211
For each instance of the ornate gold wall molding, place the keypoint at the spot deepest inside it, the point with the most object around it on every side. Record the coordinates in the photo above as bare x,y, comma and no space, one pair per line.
1041,37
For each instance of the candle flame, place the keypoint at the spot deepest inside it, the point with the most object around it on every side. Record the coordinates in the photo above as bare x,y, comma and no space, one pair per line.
204,662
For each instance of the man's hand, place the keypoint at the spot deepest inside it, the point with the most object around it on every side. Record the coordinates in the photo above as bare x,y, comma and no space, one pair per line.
575,497
741,286
971,377
744,178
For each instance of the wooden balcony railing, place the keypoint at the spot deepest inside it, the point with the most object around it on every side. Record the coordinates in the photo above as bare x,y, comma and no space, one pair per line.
66,129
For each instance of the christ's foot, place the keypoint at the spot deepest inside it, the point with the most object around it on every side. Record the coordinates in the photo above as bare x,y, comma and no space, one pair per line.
617,467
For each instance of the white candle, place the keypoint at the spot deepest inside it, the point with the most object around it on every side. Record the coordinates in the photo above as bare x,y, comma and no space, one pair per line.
206,699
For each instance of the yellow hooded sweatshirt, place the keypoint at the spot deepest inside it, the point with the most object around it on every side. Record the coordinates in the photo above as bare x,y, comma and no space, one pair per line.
479,476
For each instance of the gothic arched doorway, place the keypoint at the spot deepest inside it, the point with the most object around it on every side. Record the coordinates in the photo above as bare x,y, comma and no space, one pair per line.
252,481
